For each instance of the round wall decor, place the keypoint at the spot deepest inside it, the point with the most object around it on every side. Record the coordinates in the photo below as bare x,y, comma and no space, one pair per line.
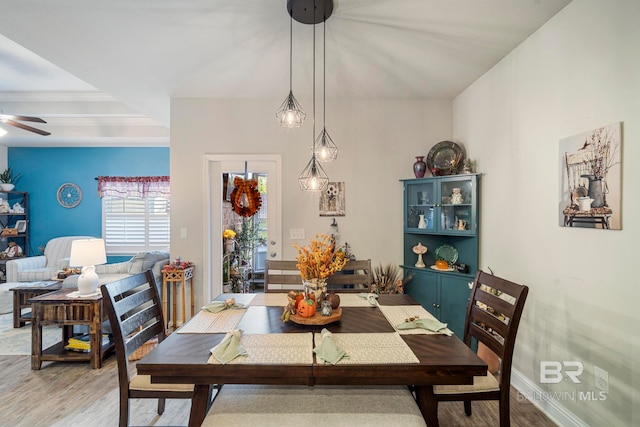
69,195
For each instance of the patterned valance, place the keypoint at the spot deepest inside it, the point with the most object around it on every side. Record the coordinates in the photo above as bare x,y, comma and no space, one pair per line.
133,186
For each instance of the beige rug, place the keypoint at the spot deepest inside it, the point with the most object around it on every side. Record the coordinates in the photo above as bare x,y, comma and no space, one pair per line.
18,341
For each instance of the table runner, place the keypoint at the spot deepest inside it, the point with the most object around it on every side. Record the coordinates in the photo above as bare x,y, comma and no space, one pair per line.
353,300
376,348
205,322
397,314
274,349
275,299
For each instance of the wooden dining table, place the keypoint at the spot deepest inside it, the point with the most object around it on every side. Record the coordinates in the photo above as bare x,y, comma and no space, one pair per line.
439,359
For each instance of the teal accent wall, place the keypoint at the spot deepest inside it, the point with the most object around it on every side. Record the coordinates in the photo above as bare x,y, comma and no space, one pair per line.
45,169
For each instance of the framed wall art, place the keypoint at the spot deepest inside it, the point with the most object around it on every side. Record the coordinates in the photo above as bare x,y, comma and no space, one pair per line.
332,200
590,179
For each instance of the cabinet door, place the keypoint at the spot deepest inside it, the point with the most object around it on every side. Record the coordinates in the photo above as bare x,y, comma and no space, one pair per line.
420,197
453,301
457,205
423,289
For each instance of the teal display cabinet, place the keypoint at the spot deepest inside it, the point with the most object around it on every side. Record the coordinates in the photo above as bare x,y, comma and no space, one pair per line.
441,213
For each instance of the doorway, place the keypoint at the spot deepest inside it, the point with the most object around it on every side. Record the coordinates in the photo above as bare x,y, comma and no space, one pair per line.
267,222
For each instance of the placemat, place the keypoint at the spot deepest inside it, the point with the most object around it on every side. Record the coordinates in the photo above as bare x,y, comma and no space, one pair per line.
275,349
353,300
397,314
205,322
378,348
274,299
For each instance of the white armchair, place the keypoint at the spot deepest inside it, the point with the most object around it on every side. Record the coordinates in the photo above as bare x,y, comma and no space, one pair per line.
43,267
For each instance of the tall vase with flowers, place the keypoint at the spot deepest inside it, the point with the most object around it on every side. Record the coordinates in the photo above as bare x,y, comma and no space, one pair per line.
317,262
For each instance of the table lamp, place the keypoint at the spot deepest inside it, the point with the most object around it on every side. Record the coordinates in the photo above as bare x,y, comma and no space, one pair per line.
86,253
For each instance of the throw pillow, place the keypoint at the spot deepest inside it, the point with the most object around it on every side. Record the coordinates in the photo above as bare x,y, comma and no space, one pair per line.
136,263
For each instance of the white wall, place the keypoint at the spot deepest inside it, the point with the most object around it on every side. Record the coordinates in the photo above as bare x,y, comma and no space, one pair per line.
377,140
579,71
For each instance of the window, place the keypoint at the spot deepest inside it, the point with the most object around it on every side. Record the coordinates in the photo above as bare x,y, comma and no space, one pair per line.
135,224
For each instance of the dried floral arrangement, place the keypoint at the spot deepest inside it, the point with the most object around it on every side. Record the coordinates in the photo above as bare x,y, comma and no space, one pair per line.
320,259
389,279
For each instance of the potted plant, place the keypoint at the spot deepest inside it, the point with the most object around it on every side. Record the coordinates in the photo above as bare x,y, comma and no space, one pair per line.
7,180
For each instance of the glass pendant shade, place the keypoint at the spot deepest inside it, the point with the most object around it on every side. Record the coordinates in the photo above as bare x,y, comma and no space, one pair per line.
313,177
325,149
290,114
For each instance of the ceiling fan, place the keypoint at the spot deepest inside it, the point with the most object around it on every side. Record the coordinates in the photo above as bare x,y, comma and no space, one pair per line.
15,121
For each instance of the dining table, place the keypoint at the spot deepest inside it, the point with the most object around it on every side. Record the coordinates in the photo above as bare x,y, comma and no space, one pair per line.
281,353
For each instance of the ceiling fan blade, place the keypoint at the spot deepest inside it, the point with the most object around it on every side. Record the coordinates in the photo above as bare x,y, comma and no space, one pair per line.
23,118
26,127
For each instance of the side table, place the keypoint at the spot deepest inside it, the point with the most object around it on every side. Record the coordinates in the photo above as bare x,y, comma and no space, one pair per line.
182,276
23,292
62,309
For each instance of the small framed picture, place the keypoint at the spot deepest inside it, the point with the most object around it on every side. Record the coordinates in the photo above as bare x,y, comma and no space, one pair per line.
21,225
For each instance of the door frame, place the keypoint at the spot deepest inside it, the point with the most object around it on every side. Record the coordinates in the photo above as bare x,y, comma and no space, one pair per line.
212,215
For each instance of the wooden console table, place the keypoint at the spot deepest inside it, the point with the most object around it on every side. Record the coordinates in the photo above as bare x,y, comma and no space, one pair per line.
61,309
178,276
23,292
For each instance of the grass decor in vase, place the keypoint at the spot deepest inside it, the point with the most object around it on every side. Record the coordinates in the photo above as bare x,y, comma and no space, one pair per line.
8,180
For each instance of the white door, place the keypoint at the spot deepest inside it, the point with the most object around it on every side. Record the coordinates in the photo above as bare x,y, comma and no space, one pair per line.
269,165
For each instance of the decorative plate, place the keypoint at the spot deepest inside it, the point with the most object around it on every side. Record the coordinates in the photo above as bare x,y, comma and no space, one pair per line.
447,253
69,195
446,157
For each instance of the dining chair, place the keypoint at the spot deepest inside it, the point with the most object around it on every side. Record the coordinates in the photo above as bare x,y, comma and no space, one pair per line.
135,313
493,315
356,276
281,276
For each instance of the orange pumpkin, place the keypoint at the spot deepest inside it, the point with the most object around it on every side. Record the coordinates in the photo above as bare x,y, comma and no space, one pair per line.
299,298
307,308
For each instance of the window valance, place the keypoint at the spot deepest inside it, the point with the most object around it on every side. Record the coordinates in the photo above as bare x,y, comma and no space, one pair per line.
133,186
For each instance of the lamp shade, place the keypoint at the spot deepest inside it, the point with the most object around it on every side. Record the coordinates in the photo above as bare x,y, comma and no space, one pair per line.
86,252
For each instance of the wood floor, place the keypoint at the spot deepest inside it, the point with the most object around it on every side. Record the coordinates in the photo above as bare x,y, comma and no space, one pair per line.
72,394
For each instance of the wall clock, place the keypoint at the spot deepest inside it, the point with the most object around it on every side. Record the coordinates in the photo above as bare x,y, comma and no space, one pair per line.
69,195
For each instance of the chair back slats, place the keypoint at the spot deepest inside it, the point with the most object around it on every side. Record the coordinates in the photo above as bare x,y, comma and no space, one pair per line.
139,319
135,313
481,316
137,339
356,276
281,276
487,338
498,304
130,300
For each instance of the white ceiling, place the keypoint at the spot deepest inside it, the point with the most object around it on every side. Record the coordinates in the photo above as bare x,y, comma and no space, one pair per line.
118,63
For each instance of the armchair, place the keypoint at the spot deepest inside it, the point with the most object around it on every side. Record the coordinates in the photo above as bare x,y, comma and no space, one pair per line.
43,267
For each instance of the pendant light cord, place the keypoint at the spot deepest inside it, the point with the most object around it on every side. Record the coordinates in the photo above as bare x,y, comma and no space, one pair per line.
324,73
314,83
291,51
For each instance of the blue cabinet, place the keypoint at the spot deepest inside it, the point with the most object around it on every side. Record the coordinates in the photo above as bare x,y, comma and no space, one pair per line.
442,212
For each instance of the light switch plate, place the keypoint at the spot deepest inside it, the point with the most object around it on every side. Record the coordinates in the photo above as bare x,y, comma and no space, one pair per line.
296,233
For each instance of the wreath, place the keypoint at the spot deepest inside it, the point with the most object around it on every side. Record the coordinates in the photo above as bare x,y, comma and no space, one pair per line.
245,197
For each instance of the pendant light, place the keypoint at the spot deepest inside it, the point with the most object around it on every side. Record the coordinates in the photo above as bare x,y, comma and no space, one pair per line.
290,114
313,176
325,149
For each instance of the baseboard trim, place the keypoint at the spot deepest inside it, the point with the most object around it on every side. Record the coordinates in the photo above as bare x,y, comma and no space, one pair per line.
551,408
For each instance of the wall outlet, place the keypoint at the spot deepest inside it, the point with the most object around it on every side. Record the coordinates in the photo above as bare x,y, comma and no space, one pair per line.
296,233
601,379
183,232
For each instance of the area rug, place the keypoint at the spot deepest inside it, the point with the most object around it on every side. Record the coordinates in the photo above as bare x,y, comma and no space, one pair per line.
6,299
17,341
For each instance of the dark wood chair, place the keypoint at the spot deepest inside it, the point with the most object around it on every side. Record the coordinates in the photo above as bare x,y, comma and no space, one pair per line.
493,315
356,276
135,313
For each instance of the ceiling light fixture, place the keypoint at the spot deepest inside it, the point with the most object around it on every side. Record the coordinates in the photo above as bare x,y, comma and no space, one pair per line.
2,132
313,176
325,149
290,114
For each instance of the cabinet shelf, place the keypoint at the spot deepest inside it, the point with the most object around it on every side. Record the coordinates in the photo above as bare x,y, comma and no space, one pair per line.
9,219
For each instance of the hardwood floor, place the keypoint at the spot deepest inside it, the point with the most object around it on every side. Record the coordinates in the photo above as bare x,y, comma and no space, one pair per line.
72,394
